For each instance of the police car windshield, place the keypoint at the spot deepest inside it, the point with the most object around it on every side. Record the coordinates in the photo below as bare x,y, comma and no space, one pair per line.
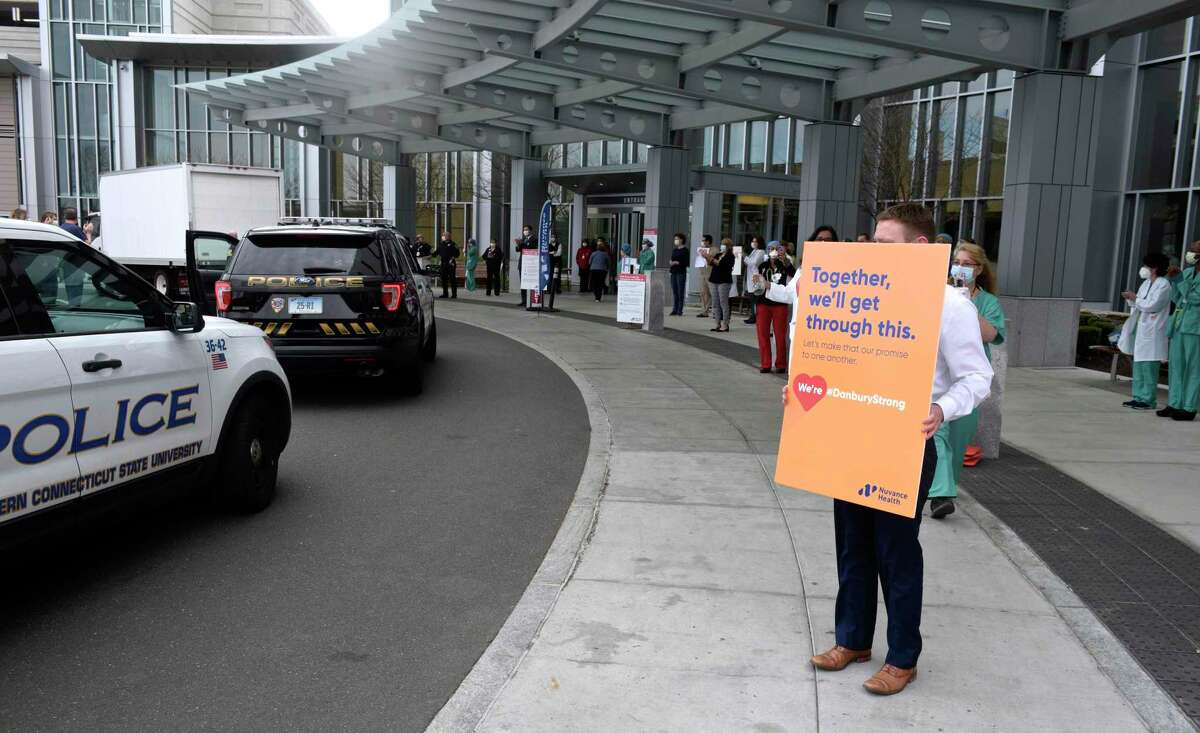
309,253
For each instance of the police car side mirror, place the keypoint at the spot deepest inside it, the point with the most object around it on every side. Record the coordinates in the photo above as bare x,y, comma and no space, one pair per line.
185,318
432,272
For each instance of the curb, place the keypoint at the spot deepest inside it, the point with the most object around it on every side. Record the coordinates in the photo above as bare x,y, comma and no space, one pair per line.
1149,701
470,703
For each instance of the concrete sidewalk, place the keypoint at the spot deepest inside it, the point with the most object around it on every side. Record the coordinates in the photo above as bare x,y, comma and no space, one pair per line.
704,588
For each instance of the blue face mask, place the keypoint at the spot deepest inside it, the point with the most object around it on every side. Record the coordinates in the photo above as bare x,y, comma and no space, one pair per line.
962,272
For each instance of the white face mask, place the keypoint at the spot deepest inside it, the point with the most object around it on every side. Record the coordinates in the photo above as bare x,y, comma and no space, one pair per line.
1144,273
962,272
774,254
1191,258
723,248
678,243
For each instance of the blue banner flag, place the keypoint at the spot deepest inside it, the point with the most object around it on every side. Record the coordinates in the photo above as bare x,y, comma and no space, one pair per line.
544,246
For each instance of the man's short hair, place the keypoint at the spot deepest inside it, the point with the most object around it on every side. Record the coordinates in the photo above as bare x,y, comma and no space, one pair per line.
70,214
916,218
707,239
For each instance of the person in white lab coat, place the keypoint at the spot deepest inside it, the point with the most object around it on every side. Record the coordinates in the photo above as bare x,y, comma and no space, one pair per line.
1145,333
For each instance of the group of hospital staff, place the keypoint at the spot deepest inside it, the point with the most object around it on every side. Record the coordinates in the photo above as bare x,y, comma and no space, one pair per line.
1154,334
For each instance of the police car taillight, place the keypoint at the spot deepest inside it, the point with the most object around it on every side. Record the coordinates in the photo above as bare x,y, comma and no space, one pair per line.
392,295
224,292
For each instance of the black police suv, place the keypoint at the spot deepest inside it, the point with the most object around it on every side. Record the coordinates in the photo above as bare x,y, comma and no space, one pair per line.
334,296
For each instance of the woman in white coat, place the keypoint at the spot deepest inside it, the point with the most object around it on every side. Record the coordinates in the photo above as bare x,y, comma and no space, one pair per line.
1145,333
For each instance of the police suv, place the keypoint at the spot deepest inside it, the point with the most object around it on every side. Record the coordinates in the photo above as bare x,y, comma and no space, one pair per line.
335,295
105,384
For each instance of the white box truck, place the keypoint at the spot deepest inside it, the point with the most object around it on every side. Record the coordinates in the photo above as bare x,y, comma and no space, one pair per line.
146,213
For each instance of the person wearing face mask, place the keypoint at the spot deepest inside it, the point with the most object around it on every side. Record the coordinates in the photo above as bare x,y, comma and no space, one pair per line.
1184,332
774,271
756,257
1145,332
525,241
971,273
646,258
598,265
719,283
582,256
679,268
493,259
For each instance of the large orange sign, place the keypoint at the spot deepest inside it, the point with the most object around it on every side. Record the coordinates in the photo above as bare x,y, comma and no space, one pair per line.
864,348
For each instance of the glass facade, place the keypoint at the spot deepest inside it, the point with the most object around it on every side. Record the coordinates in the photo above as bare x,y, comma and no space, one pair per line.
446,189
82,89
946,146
1162,211
178,128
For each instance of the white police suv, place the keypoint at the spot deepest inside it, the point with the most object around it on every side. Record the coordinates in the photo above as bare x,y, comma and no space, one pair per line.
107,386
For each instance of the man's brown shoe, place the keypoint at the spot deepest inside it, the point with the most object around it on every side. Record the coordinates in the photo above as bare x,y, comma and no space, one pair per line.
839,657
889,680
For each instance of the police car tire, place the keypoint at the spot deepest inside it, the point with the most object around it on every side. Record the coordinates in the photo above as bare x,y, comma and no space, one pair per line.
429,350
249,459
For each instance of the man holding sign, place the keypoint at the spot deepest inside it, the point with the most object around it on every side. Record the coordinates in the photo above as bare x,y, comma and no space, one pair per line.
874,328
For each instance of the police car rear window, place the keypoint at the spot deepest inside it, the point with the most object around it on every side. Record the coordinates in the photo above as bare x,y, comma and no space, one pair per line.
309,253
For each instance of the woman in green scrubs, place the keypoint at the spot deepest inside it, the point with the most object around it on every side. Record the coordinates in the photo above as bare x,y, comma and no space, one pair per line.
1183,373
472,263
971,271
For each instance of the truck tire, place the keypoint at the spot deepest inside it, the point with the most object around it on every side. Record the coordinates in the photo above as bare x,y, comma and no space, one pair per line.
249,459
429,350
161,282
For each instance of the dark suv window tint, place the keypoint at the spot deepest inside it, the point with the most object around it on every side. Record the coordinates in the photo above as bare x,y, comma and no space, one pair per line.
310,253
8,321
58,288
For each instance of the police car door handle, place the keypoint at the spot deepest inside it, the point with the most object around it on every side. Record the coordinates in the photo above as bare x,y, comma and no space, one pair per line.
97,365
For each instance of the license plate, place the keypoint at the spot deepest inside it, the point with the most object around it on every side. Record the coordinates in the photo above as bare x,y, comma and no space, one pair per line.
305,305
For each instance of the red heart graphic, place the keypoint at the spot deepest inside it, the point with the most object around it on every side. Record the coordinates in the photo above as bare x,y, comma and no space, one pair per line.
808,390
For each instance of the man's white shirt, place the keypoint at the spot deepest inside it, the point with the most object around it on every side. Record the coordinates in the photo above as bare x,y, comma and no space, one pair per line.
963,376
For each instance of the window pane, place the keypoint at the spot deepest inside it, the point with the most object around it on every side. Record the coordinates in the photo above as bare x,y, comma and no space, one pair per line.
1162,227
102,128
466,175
1165,40
943,147
708,145
160,148
1004,78
758,144
240,152
998,142
798,145
972,144
951,219
979,84
88,167
77,294
196,109
574,155
218,148
737,144
197,147
990,231
160,102
1158,124
612,152
60,46
85,106
259,150
595,152
779,142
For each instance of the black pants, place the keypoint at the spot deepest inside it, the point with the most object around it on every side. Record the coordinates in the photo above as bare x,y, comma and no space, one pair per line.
493,280
876,548
449,282
551,288
678,291
598,278
583,280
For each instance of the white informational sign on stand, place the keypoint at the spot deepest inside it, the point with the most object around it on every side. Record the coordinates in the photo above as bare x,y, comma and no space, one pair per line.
738,257
652,235
631,298
530,269
628,265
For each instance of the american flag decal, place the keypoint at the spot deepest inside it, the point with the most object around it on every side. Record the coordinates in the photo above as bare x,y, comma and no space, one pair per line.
219,361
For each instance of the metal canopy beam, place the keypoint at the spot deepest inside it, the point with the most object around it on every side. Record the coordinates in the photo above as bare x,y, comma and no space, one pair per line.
983,31
1122,17
722,83
902,76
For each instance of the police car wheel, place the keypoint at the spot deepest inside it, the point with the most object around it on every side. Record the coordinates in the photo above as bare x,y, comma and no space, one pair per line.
429,350
249,459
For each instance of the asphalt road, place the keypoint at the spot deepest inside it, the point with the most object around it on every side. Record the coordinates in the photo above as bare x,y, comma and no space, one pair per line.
404,532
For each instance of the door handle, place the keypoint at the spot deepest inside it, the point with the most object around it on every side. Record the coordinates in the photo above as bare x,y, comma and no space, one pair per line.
97,365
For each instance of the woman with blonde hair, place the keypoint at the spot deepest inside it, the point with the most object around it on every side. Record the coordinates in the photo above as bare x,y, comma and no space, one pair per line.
971,271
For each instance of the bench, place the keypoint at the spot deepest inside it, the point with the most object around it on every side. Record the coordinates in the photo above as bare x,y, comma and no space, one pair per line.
1117,354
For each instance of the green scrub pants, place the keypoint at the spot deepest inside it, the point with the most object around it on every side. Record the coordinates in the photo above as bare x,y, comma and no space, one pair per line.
951,441
1145,381
1184,372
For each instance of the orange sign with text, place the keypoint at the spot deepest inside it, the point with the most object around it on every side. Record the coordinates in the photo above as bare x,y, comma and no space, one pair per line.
864,349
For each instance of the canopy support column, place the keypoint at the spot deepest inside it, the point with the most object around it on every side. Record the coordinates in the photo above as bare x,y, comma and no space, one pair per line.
829,179
400,197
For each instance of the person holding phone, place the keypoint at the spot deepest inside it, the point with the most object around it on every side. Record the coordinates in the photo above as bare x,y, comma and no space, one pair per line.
772,312
719,283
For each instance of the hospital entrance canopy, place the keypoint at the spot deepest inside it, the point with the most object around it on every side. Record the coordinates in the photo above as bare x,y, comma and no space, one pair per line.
509,75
